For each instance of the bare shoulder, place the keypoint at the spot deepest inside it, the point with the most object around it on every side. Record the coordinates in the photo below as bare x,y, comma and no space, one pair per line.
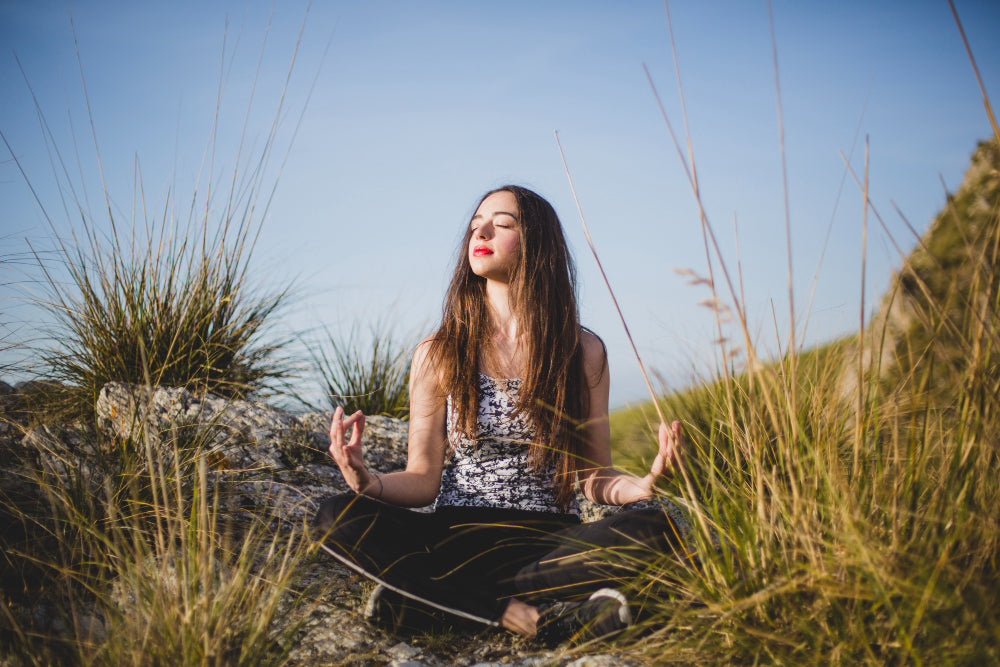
423,368
595,355
421,354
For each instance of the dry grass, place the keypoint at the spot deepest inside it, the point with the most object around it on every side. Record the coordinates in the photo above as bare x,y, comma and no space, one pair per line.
854,487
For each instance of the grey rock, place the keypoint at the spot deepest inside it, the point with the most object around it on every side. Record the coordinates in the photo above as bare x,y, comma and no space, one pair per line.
12,424
13,416
36,386
157,576
385,440
91,628
271,462
238,435
66,456
290,496
403,651
603,660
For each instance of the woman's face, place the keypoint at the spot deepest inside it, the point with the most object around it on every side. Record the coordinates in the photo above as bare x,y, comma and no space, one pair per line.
494,247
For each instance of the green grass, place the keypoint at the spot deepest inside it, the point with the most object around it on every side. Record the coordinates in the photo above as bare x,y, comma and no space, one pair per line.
633,428
163,292
853,489
173,310
119,552
374,378
860,521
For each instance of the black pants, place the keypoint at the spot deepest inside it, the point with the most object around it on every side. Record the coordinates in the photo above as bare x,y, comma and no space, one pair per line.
476,559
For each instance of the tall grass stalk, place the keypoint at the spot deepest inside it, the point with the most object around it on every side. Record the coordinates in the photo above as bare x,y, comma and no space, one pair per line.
181,306
833,552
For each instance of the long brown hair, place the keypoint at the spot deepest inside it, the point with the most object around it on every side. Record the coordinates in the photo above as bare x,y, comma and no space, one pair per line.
554,390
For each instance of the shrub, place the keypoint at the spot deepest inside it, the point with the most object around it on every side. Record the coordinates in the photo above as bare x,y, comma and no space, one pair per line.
140,297
175,310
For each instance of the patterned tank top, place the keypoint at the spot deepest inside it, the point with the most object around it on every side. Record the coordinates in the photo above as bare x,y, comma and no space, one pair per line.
493,470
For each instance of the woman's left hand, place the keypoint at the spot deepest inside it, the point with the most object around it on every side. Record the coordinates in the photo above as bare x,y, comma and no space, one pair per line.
668,461
347,454
670,456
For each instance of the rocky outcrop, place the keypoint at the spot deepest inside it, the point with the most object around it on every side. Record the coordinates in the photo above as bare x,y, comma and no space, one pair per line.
264,463
275,463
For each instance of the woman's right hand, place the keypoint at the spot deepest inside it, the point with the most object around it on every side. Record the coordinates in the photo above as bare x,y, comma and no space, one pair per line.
347,453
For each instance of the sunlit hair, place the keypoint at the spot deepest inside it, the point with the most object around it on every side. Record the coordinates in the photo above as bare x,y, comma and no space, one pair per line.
554,392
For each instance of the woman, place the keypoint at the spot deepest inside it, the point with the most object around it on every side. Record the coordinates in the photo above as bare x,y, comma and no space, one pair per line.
508,411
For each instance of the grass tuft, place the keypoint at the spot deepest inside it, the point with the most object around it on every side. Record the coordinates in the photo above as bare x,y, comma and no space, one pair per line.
175,311
374,379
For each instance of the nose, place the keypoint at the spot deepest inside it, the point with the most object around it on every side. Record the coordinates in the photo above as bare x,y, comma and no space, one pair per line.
484,231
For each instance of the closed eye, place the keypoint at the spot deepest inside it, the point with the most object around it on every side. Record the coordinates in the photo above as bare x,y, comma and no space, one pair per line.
505,220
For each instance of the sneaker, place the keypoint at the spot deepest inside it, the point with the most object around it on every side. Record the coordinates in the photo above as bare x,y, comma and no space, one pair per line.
603,614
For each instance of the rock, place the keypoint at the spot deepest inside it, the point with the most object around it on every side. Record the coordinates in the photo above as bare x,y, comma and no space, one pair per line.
270,462
67,456
156,577
385,441
290,496
238,435
403,651
13,416
37,386
91,628
11,432
606,660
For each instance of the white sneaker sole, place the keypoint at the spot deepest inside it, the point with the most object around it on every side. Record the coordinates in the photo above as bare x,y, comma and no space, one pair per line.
624,613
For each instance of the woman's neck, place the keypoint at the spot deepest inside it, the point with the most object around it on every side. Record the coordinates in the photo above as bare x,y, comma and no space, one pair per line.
502,319
502,356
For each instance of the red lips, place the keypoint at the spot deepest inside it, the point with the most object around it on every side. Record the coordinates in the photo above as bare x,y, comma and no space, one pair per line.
481,250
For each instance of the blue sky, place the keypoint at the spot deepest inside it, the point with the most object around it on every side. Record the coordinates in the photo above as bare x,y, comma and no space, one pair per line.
419,107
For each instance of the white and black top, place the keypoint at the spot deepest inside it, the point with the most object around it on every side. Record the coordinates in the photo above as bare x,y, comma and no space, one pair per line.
493,470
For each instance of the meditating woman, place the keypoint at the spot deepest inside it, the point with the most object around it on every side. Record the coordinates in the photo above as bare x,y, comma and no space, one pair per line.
508,414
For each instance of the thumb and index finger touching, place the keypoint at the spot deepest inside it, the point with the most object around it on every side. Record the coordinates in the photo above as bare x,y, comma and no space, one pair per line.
671,446
339,425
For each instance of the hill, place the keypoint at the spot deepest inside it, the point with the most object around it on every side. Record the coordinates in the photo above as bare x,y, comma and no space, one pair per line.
929,337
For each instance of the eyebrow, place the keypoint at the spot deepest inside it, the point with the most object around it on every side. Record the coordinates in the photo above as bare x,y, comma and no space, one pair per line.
477,215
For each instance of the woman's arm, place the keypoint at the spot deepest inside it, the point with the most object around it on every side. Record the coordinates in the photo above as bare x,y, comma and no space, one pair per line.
417,485
601,482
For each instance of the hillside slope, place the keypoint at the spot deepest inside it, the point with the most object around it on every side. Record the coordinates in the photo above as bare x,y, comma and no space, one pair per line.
933,341
931,334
